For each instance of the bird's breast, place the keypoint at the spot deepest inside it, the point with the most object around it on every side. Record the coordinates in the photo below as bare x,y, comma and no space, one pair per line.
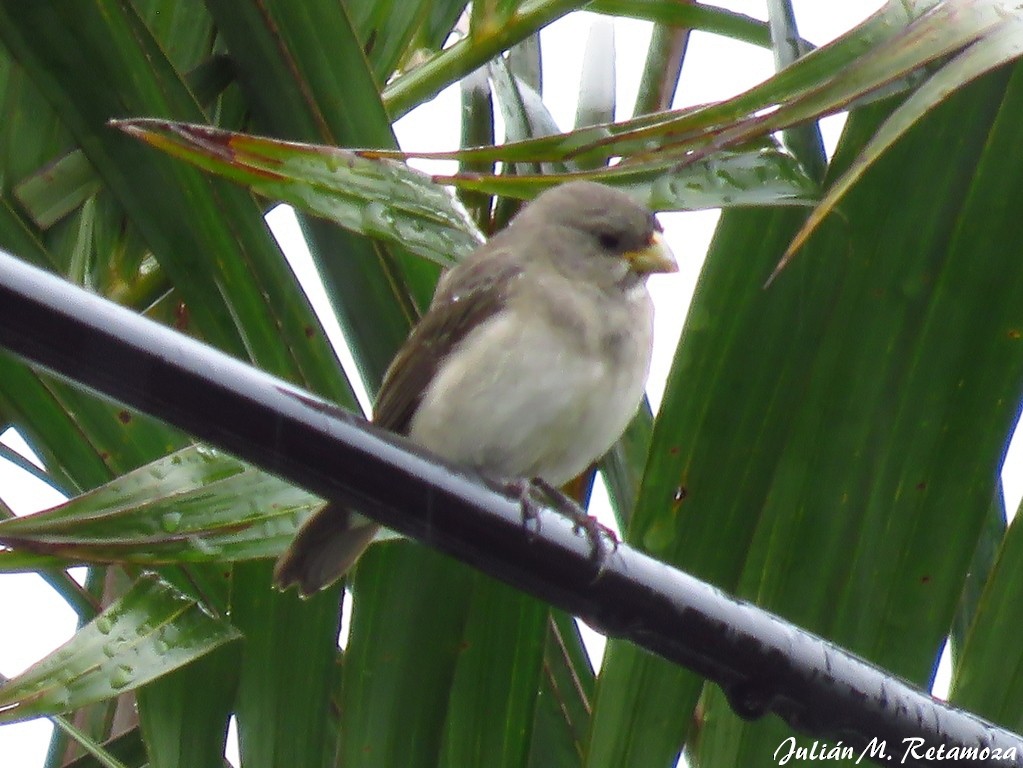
539,390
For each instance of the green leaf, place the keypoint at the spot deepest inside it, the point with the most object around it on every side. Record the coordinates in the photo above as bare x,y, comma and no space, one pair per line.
988,677
492,706
388,28
804,141
989,545
525,63
997,44
563,704
459,59
853,67
787,458
410,608
477,129
82,440
905,483
17,237
25,562
622,467
294,60
195,505
662,69
128,748
150,631
379,198
86,742
762,176
99,61
490,15
700,16
60,188
284,694
524,113
597,86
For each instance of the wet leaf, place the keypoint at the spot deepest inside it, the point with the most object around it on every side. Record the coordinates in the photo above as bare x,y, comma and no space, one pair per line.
195,505
150,631
381,199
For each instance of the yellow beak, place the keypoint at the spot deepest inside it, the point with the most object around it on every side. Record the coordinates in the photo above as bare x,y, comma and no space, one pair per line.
655,257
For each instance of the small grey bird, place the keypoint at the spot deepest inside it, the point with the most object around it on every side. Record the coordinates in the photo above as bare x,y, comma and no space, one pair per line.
530,362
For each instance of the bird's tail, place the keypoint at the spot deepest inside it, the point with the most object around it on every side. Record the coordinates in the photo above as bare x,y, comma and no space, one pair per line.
325,547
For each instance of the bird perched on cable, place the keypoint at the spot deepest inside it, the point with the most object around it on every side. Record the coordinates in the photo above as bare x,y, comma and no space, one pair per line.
530,362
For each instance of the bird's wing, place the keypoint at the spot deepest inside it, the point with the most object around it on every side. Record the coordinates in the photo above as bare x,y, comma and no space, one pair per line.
472,292
330,541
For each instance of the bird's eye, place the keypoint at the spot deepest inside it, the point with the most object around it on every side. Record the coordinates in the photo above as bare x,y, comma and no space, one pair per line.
609,241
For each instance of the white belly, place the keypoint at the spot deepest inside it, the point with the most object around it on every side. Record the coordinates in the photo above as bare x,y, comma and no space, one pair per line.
516,400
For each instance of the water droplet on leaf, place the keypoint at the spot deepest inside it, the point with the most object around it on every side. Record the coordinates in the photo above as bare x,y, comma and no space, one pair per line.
170,521
122,676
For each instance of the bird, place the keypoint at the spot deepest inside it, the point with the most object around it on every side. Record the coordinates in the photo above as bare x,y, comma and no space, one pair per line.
529,363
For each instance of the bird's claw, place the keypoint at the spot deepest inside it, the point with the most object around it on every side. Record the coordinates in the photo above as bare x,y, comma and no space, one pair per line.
524,490
568,507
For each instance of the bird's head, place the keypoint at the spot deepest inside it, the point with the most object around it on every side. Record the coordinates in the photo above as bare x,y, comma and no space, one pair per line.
592,231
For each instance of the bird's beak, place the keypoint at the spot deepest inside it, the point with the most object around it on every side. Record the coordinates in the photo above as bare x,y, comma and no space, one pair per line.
655,257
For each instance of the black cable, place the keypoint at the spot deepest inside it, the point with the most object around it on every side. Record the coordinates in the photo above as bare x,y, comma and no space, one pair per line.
764,664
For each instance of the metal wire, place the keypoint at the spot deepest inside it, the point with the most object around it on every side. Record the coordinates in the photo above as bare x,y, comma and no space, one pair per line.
763,664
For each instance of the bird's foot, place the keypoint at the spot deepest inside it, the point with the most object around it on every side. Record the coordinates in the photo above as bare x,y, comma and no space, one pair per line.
524,490
596,532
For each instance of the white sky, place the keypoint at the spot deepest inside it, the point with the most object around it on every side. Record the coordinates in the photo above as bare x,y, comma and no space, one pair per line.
42,619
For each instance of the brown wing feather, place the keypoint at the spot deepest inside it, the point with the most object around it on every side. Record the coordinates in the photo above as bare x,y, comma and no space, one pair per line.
472,292
330,541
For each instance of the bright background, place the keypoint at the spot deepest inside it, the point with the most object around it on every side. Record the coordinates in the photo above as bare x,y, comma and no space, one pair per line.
34,620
